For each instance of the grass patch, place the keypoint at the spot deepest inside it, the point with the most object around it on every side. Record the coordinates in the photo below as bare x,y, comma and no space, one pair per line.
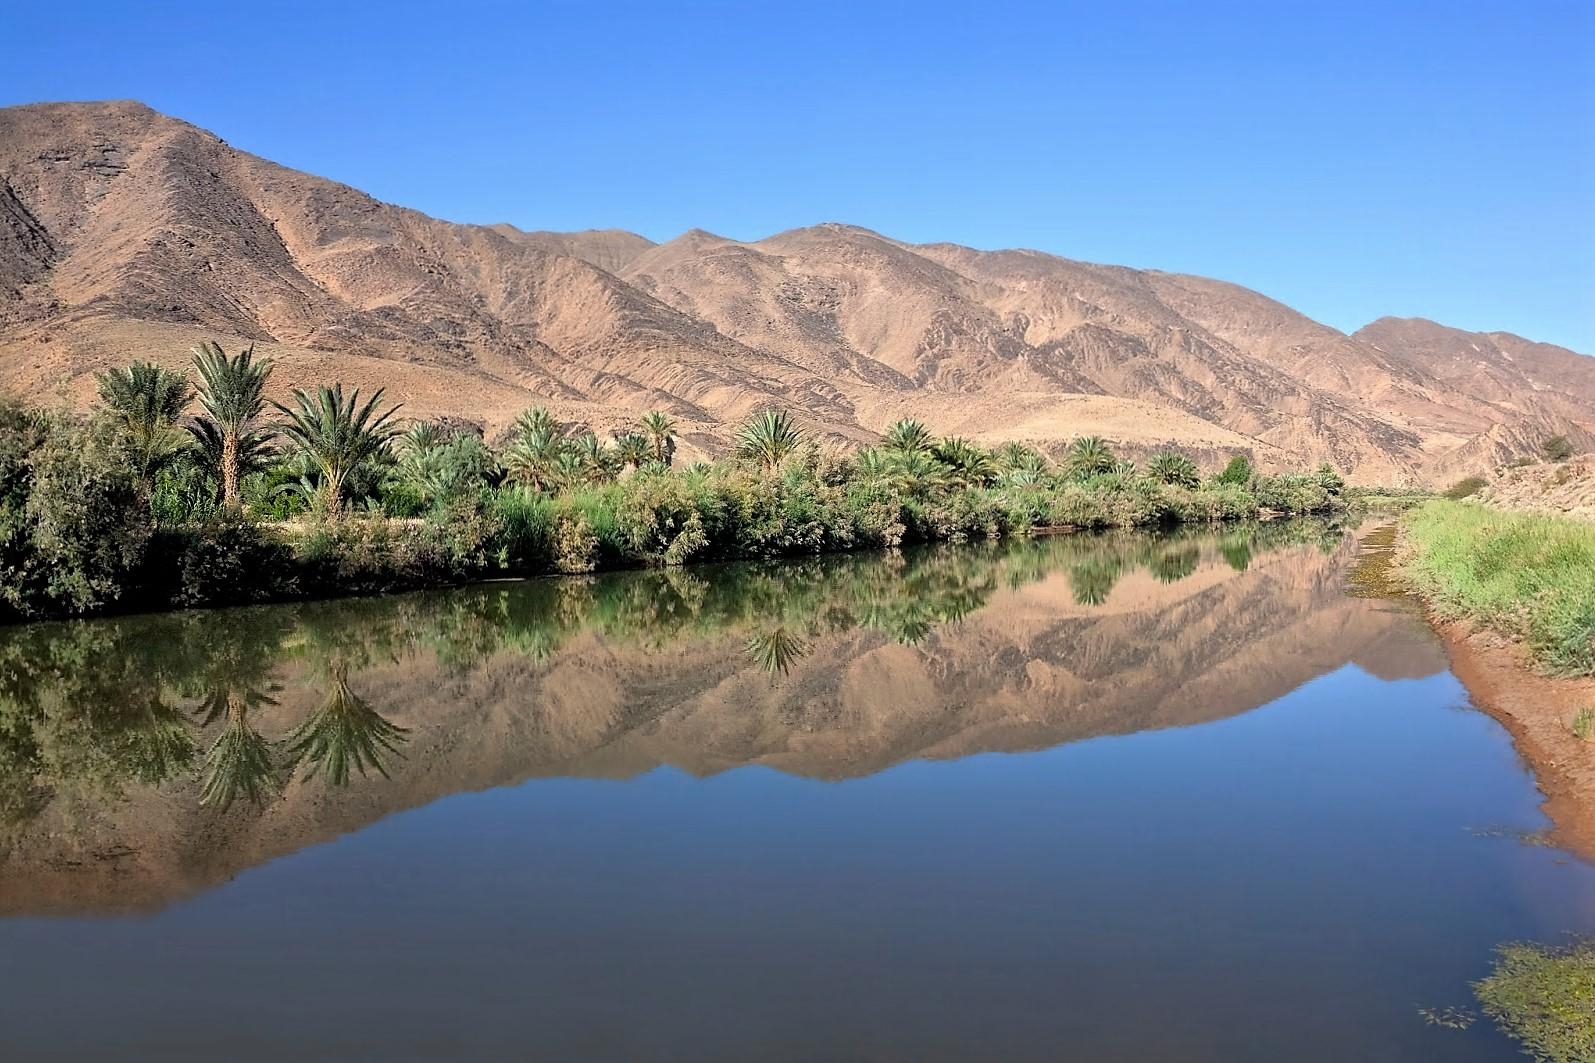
1544,997
1526,575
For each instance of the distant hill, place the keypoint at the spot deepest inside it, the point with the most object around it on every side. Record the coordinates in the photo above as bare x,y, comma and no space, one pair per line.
125,233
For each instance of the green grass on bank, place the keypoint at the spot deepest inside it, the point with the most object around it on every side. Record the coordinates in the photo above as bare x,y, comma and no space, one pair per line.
1527,575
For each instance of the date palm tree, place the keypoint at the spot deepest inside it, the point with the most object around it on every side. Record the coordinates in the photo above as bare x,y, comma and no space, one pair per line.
598,462
908,436
768,439
1089,455
533,459
231,391
969,464
1171,468
661,433
776,650
632,449
337,434
537,421
147,399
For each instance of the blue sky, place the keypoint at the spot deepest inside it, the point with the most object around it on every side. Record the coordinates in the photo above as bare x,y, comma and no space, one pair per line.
1352,159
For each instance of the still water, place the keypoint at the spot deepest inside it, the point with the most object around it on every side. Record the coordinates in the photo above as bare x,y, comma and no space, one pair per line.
1085,798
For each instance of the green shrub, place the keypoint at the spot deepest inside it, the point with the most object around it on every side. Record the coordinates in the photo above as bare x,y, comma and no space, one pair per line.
74,520
1557,448
1465,488
227,561
1238,472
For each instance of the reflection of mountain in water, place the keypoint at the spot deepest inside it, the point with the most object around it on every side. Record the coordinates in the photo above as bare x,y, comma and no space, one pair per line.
143,759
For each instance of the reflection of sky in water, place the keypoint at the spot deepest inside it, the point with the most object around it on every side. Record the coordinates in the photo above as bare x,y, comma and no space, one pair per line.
1290,882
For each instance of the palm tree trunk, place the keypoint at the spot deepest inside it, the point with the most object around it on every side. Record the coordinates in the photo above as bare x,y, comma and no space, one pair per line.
333,484
230,470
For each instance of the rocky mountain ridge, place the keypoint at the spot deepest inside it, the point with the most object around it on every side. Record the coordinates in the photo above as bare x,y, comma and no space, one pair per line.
125,233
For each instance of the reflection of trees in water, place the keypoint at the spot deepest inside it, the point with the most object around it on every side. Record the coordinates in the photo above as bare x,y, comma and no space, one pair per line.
1092,581
344,733
776,651
241,762
89,708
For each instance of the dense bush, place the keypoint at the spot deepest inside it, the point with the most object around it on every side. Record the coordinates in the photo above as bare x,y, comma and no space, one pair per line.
74,518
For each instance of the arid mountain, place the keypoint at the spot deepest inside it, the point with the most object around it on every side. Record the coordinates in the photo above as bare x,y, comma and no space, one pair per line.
125,233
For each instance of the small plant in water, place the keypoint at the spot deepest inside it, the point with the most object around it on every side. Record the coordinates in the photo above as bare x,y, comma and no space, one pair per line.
1544,997
1450,1018
1584,724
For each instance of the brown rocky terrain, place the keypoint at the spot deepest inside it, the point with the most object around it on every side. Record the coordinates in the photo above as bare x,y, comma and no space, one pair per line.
1566,488
1031,668
125,233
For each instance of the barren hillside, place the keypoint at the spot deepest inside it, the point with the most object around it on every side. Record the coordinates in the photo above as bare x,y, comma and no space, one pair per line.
125,233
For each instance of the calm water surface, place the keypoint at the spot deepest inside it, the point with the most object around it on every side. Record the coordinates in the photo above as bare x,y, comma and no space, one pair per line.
1118,798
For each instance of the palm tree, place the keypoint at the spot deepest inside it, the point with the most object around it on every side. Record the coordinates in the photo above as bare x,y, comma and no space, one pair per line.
337,435
968,462
537,421
661,432
147,400
533,459
1018,456
598,462
1089,455
908,436
1171,468
423,437
632,449
768,439
252,453
230,390
909,473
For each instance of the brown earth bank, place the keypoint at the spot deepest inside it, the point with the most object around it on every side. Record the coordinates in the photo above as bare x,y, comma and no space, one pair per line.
1563,488
127,234
1538,710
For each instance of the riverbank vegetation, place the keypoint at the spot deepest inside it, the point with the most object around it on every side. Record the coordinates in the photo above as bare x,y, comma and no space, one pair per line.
144,504
1526,575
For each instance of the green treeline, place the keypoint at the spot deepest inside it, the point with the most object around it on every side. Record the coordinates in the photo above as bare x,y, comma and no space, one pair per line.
148,503
1527,575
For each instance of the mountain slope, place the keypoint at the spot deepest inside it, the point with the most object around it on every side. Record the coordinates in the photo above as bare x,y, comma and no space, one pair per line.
125,233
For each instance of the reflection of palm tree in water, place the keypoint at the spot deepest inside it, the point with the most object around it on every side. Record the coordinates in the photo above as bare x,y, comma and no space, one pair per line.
344,733
240,763
156,740
777,651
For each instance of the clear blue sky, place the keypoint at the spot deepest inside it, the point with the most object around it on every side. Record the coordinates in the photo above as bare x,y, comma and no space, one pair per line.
1352,159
